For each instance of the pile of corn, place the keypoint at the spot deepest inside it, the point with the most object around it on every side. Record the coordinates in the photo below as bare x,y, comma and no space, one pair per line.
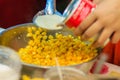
42,49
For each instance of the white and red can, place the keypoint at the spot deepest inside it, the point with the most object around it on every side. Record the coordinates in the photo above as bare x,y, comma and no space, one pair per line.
77,11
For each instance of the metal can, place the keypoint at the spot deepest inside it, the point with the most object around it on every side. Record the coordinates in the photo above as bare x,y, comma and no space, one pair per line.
77,11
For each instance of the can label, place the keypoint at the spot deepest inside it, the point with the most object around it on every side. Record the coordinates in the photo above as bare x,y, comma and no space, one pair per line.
81,11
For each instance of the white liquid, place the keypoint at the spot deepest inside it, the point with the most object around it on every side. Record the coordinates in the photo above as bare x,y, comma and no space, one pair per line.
7,73
49,21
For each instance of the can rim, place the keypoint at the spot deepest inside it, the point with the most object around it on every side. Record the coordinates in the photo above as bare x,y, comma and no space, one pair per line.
77,4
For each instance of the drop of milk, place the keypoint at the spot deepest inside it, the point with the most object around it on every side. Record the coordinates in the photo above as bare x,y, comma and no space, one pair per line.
7,73
49,22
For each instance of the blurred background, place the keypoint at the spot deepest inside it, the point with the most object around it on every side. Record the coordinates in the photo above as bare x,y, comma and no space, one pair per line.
13,12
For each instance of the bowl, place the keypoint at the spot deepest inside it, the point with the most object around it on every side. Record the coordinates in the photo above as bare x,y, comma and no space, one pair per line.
15,38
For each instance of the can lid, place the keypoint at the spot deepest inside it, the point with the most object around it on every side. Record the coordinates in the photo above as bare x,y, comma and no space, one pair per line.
81,12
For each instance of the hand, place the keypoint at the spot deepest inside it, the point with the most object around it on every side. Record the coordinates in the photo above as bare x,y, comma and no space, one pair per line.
105,20
96,1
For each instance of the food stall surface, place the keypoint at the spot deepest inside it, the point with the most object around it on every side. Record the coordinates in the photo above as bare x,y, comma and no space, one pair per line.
113,73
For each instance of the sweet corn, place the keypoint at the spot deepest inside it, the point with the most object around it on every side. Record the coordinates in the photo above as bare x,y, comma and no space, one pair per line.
25,77
42,49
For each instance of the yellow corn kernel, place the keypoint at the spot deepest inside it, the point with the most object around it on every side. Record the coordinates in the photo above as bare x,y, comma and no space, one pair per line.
25,77
34,28
29,35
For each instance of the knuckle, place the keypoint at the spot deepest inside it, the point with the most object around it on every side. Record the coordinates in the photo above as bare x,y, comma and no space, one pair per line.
99,42
86,35
81,28
102,21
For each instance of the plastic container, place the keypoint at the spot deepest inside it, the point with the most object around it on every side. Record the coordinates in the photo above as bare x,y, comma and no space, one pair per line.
67,73
10,65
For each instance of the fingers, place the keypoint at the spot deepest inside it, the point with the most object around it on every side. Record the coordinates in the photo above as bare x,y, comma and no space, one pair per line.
92,30
97,1
116,37
104,35
85,24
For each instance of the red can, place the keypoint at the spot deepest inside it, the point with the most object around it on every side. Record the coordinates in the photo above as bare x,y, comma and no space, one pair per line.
77,11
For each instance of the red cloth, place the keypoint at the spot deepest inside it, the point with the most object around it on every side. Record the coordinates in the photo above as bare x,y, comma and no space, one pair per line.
13,12
113,52
117,54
